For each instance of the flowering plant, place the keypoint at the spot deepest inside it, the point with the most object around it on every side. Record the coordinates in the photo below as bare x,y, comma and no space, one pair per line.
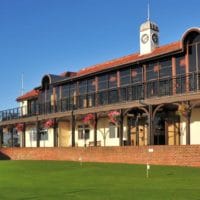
89,119
20,127
49,123
114,116
183,109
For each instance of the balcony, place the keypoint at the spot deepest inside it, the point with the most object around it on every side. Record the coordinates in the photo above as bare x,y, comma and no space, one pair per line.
183,85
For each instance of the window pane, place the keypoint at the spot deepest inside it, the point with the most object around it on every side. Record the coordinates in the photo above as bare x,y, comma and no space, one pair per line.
199,56
194,37
136,75
112,80
152,89
165,68
125,76
103,82
82,86
57,95
102,98
49,92
192,58
113,96
73,95
180,65
91,85
152,71
83,132
33,135
82,101
112,131
65,91
43,135
180,85
80,132
73,89
87,133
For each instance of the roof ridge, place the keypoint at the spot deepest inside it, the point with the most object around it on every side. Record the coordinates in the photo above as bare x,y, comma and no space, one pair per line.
135,56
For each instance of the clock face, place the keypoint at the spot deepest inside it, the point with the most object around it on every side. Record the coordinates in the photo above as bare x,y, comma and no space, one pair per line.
144,38
155,38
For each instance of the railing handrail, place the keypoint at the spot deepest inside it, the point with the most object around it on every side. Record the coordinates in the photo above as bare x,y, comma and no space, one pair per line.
66,103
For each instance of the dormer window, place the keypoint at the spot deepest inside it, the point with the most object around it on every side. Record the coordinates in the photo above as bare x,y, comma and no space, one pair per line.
45,83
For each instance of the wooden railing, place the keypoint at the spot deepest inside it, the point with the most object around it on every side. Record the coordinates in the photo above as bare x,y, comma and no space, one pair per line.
155,88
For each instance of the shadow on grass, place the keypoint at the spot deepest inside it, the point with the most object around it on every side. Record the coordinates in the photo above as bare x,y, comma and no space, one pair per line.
4,156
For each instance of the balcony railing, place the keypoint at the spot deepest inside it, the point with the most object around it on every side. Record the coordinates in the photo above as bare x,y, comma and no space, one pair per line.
154,88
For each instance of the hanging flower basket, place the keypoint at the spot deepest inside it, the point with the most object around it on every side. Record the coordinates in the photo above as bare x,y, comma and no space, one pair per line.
183,110
20,127
114,117
48,124
89,119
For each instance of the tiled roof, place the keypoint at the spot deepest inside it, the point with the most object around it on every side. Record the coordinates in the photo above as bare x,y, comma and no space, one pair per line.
31,94
131,59
113,63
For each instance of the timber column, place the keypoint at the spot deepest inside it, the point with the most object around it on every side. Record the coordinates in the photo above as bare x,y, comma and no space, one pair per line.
12,137
188,118
73,126
121,127
24,135
37,133
55,133
151,135
1,137
95,129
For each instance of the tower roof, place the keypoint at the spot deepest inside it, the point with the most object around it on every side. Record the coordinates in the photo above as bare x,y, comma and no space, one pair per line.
149,25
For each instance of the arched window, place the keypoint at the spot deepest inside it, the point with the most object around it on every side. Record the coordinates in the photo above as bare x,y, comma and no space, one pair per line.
45,83
46,96
192,42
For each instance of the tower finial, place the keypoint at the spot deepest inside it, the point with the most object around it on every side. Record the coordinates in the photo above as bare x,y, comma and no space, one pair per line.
22,84
148,10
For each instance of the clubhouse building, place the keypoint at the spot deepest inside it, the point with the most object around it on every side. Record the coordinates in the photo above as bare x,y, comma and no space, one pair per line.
146,98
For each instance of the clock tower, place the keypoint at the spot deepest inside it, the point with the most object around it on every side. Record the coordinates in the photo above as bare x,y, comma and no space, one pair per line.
149,38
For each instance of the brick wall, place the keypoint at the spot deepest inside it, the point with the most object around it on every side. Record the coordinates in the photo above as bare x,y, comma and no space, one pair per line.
161,155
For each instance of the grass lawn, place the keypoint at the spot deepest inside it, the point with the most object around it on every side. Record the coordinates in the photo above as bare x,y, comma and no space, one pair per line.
57,180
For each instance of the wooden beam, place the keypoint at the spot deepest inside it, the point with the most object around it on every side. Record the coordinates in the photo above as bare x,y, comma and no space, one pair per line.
190,96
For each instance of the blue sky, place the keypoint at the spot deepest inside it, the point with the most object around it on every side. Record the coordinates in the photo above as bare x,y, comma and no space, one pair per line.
38,37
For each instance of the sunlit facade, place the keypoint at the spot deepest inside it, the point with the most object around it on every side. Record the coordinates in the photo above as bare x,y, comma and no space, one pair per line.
141,99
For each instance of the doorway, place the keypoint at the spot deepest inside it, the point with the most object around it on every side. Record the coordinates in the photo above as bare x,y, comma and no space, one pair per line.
166,127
